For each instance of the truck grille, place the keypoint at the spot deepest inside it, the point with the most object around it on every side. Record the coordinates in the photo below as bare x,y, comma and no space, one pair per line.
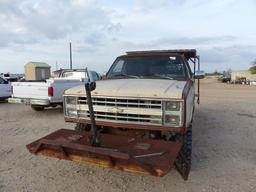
117,102
144,111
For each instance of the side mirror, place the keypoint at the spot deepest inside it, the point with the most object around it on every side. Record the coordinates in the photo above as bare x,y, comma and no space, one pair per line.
199,74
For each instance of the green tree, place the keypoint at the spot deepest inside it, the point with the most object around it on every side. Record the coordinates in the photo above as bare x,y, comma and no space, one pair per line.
253,68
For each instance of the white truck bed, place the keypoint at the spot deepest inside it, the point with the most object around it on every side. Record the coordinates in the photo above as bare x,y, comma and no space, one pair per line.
38,93
47,93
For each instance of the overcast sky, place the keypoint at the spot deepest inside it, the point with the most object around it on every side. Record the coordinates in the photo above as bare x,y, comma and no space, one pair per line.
223,31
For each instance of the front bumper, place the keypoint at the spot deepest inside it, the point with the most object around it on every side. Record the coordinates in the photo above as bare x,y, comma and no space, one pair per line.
29,101
118,152
129,126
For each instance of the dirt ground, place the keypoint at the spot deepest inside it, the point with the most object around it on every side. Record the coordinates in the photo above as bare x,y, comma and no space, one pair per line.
224,150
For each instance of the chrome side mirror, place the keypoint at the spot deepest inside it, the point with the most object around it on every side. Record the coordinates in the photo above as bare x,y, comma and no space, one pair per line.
199,74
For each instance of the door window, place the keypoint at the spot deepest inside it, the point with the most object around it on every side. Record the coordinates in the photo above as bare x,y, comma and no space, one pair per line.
2,80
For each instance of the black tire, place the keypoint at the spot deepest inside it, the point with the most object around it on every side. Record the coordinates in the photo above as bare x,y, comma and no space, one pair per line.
37,107
81,127
183,161
187,145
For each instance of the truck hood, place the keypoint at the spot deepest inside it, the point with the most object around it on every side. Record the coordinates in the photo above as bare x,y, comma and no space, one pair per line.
144,88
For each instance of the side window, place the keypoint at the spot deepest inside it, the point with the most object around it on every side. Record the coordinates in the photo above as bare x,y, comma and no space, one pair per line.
1,81
118,67
98,76
188,66
94,76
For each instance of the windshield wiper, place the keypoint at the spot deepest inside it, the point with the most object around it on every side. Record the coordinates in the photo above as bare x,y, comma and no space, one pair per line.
158,75
125,75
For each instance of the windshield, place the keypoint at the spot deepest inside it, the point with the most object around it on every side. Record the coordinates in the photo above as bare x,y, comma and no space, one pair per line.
147,67
74,74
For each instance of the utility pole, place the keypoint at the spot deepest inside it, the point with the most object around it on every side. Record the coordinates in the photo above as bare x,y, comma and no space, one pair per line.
56,65
70,55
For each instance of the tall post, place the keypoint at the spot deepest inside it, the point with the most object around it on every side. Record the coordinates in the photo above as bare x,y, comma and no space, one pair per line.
70,55
56,65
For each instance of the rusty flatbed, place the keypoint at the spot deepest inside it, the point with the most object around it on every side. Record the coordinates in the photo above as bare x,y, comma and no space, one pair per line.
137,155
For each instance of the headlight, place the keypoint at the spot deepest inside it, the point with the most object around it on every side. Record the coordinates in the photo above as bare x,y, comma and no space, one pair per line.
71,112
70,106
172,106
172,111
172,119
71,100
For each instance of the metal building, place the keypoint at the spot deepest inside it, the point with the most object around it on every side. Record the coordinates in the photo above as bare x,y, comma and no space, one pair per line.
36,71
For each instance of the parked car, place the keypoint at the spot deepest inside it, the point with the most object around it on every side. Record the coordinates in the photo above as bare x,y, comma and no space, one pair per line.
48,93
242,80
5,89
11,77
224,79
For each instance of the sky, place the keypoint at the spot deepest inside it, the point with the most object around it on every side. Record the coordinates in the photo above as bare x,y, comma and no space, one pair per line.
222,31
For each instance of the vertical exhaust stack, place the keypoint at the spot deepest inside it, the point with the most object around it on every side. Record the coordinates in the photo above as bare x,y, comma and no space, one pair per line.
90,86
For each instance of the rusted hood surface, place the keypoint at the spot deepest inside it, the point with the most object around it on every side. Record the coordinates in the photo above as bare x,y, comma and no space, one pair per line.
144,88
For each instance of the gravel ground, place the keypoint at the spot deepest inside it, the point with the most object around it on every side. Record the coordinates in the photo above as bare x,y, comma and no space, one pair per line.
224,150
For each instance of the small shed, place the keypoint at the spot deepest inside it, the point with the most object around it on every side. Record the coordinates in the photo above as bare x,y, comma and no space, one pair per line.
36,71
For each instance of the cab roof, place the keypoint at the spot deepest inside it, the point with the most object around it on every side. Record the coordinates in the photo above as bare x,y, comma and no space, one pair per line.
187,53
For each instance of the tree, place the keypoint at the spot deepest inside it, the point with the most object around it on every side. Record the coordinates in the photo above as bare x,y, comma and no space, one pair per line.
227,73
253,68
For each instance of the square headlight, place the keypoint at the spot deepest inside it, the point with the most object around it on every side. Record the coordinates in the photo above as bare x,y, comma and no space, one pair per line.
172,120
71,112
70,106
172,106
172,113
71,100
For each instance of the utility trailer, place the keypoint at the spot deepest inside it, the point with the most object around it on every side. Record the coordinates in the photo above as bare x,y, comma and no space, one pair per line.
138,119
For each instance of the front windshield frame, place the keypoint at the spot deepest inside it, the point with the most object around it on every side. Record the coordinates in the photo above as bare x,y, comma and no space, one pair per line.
185,75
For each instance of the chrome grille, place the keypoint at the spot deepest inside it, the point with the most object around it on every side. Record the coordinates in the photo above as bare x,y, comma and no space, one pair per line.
137,111
120,102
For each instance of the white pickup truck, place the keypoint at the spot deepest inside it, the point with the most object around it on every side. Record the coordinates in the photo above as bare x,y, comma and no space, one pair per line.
49,93
5,89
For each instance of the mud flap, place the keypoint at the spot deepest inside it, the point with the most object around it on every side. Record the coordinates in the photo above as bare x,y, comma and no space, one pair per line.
137,155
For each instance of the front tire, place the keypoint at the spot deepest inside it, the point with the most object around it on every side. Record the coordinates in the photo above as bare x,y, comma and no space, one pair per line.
187,145
183,161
